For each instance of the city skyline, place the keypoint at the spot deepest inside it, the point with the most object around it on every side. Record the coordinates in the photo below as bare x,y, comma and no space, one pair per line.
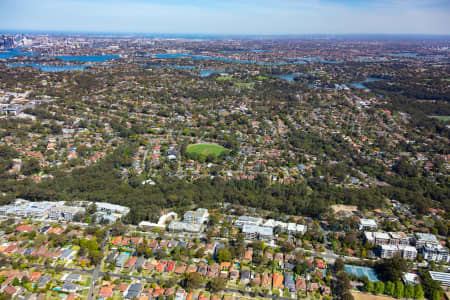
266,17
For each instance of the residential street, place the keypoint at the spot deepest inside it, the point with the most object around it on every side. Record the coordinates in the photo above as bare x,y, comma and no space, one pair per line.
96,272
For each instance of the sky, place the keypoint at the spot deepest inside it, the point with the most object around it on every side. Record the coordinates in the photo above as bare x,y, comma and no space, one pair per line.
261,17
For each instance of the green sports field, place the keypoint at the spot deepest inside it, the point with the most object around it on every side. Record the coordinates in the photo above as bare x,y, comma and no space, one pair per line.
442,118
205,149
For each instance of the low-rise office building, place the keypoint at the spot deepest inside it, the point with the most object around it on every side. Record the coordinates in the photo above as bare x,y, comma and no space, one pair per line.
200,216
24,208
246,220
66,213
257,232
177,226
110,212
367,224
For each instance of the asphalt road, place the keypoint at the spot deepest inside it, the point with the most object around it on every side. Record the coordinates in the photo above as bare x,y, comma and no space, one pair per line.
96,273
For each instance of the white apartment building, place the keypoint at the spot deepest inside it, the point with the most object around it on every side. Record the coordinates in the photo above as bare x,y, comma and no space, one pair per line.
433,252
422,239
386,238
388,251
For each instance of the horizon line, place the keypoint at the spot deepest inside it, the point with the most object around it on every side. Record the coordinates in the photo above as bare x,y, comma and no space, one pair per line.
94,32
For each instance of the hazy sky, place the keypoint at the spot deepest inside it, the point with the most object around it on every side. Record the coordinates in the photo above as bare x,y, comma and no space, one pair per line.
229,16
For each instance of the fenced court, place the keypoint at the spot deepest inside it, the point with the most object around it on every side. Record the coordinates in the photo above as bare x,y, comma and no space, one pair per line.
361,272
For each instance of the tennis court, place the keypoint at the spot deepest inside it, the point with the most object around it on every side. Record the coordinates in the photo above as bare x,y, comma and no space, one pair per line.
361,272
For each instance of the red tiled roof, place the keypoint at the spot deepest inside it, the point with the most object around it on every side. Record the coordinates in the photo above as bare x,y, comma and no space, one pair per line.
130,263
106,292
161,266
157,292
170,266
35,276
10,290
24,228
116,240
277,280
